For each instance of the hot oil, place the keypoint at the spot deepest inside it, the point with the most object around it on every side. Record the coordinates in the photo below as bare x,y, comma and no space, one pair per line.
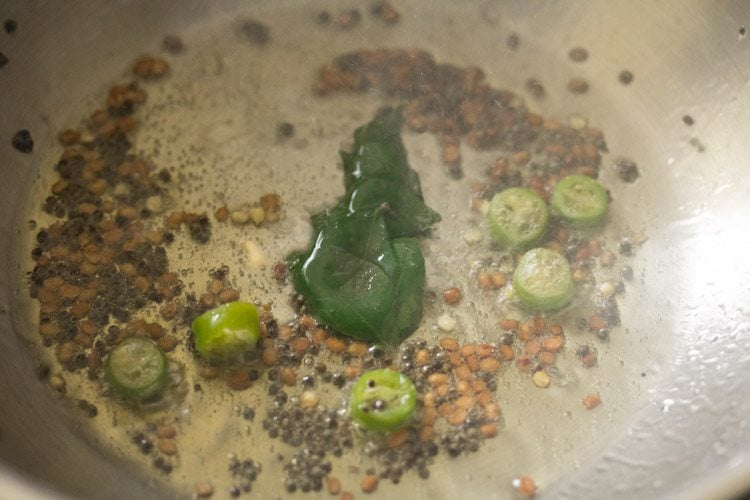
213,124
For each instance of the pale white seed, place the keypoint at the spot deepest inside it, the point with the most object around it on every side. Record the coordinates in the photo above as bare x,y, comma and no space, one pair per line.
541,379
257,215
240,217
446,322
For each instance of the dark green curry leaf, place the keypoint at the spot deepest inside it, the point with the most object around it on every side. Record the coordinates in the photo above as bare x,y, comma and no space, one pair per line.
406,214
358,281
377,173
361,276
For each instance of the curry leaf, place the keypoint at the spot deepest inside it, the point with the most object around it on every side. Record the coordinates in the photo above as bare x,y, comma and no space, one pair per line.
377,173
361,275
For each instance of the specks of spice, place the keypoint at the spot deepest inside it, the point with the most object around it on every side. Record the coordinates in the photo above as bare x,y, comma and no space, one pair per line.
626,272
742,31
513,41
369,483
265,211
348,19
535,88
244,473
10,26
452,295
591,400
627,170
578,54
200,229
255,32
469,108
446,322
167,446
625,77
204,489
688,120
525,486
89,409
578,86
3,60
173,44
333,485
383,9
22,141
587,355
541,379
315,432
323,18
57,382
697,144
143,442
150,67
284,130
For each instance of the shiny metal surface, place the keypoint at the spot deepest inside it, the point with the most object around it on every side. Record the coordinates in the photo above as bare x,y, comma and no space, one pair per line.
681,431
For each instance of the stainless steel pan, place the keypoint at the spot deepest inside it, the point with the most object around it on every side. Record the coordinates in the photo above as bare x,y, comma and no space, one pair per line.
675,421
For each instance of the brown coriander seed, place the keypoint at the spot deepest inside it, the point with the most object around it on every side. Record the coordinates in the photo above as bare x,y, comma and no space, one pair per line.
591,400
578,86
333,485
369,483
578,54
452,295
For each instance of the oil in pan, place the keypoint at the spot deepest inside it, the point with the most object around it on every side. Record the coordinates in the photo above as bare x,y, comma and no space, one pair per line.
195,181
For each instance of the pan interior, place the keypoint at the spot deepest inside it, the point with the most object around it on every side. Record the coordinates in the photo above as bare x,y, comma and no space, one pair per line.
212,123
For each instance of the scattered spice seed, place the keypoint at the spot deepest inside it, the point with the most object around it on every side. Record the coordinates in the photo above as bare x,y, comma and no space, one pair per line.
541,379
591,400
10,26
525,485
333,485
3,60
627,170
452,295
150,67
384,10
285,130
204,489
348,19
688,120
578,85
166,431
323,18
167,446
173,44
22,141
578,54
535,88
369,483
255,32
513,41
625,77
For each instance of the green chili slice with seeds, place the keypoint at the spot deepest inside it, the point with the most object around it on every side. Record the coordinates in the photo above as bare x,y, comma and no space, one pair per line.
518,217
137,369
383,400
579,200
543,280
227,332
